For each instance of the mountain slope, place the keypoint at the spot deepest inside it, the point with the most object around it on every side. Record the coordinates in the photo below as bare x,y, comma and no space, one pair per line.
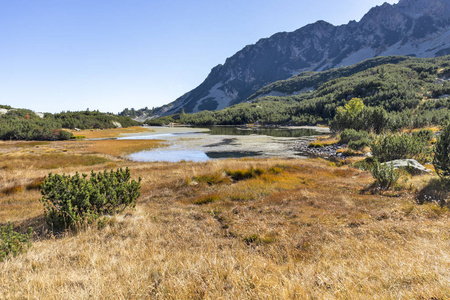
414,91
418,28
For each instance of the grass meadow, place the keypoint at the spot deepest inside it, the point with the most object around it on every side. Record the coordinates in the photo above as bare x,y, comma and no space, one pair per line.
225,229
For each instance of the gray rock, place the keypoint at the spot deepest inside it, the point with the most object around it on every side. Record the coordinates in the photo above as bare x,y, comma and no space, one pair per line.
117,124
407,163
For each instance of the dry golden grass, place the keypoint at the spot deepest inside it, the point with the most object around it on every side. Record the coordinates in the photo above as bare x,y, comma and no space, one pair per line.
121,147
324,140
109,133
48,161
303,229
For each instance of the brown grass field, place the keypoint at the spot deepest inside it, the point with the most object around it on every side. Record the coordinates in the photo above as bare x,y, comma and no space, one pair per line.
303,229
108,133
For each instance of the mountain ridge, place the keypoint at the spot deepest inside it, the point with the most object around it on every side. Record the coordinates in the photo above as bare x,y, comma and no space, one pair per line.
414,93
419,28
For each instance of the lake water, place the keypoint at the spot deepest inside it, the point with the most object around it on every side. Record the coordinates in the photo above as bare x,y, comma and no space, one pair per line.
269,131
202,144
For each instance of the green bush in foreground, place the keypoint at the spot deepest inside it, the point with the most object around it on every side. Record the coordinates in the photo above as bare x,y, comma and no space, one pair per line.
12,242
385,175
71,200
441,159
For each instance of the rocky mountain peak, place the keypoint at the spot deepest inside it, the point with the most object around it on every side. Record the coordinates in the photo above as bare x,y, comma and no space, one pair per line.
412,27
385,14
434,8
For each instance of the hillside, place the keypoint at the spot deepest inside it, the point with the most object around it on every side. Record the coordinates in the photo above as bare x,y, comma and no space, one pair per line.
411,27
414,91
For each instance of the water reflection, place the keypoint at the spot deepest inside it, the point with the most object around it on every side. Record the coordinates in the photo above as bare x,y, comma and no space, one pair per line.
188,155
269,131
169,156
233,154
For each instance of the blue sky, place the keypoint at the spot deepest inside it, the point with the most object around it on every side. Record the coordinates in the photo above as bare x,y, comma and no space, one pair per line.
58,55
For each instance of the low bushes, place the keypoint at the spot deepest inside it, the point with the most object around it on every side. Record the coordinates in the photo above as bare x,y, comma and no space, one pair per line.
12,242
349,135
356,140
400,146
385,174
355,115
12,128
359,144
71,200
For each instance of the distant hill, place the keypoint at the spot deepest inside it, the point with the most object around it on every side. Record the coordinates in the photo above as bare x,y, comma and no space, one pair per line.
419,28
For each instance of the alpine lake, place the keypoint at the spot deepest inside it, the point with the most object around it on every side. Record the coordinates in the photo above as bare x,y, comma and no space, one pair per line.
221,142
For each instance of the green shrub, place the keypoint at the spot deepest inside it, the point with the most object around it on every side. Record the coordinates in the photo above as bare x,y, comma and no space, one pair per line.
359,144
385,174
356,140
355,115
70,200
365,164
64,135
425,135
12,242
400,146
352,135
441,151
